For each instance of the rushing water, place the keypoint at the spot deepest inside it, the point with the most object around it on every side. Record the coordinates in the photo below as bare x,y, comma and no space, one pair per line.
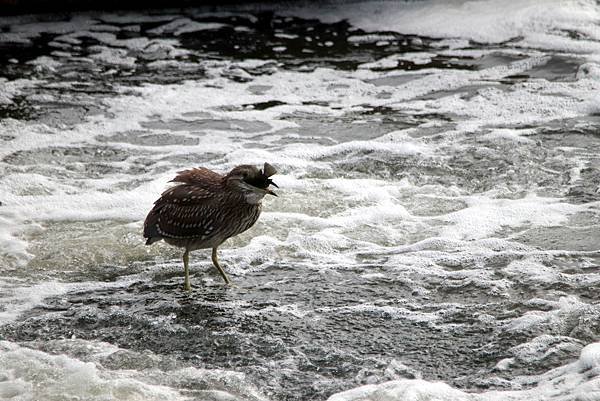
437,231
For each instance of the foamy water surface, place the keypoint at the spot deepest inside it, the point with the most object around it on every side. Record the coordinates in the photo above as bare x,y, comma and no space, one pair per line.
436,231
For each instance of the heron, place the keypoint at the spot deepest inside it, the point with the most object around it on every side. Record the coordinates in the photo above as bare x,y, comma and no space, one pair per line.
204,208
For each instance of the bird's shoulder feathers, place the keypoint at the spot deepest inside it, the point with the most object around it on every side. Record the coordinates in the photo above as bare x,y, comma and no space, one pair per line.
198,175
186,194
193,186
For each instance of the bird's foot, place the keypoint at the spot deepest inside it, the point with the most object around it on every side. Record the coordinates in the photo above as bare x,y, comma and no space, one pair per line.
229,284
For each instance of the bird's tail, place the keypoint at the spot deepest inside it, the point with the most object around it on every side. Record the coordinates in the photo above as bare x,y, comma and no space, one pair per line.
152,240
151,228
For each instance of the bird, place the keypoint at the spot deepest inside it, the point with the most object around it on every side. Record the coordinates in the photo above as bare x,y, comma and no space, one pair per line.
204,208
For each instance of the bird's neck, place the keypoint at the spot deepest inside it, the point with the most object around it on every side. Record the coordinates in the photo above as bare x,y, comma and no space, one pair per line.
244,192
253,198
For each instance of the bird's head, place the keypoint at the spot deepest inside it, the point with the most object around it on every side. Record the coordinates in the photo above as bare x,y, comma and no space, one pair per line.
252,181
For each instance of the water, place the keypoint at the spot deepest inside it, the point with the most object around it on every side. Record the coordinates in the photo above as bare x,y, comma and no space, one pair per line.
436,234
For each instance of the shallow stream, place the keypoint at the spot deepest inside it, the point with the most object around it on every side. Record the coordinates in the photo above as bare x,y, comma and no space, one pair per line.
436,233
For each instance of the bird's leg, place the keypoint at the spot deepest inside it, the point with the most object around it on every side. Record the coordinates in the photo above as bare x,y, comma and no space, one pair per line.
219,268
186,269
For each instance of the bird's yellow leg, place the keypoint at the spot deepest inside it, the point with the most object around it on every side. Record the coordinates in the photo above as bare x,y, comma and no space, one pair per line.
219,268
186,269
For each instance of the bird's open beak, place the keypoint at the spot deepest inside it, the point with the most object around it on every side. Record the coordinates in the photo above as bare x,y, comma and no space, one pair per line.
269,191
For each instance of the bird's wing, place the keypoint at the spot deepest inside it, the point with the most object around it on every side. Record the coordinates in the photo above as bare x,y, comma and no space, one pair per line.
185,194
184,211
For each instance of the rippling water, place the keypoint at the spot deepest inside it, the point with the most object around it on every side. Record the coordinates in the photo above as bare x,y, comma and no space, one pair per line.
436,234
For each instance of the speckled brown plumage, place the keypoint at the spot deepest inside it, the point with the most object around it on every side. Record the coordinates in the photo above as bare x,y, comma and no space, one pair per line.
205,208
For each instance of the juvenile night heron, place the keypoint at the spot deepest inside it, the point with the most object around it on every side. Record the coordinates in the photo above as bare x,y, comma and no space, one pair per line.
206,208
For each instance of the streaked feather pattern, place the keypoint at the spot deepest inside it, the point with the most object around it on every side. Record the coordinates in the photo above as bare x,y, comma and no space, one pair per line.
201,211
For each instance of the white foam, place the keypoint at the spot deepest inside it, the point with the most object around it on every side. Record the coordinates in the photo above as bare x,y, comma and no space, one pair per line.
13,247
402,390
512,135
531,270
14,38
282,35
451,44
290,309
10,89
392,61
530,103
485,216
369,38
574,381
560,43
489,21
18,295
590,356
164,102
170,101
86,205
185,25
589,71
562,318
316,151
539,350
30,374
117,57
